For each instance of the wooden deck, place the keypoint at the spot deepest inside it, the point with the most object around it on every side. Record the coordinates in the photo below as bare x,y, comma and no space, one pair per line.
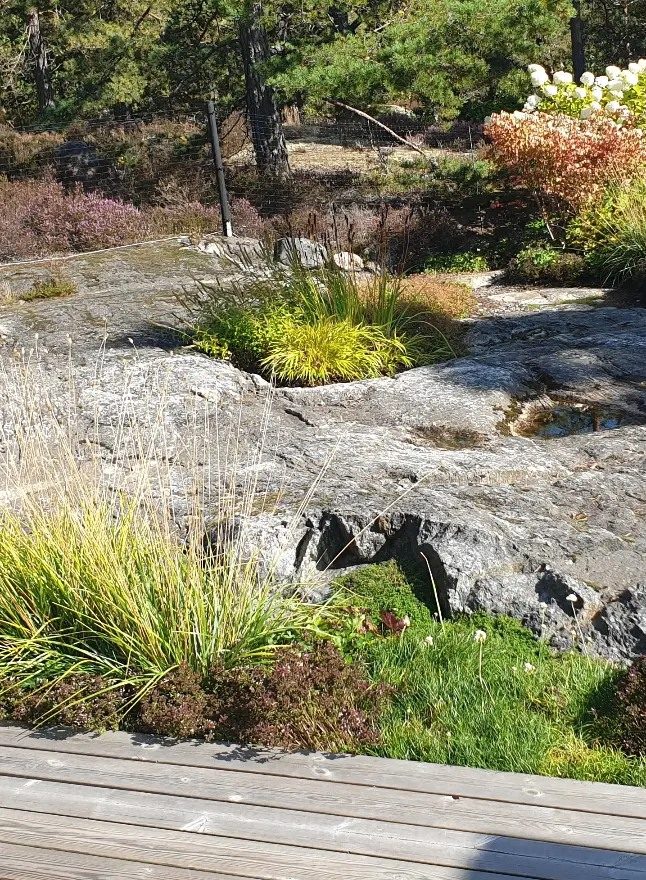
120,806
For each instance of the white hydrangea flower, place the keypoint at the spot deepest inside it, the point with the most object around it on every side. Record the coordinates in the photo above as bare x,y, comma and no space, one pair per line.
602,81
612,71
641,64
581,92
613,107
539,77
595,106
596,92
617,86
534,68
533,101
562,78
550,90
634,67
629,78
587,78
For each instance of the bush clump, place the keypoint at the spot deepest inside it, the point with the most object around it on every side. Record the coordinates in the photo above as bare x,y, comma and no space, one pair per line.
311,328
542,264
631,700
307,699
82,701
566,163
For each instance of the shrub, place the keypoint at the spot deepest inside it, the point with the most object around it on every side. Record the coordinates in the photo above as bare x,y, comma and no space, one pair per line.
189,218
612,233
24,153
467,261
32,220
540,264
312,700
39,217
631,700
176,706
307,699
566,163
94,221
619,94
85,702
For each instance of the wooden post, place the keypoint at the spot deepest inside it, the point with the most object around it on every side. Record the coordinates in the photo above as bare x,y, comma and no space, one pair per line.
227,227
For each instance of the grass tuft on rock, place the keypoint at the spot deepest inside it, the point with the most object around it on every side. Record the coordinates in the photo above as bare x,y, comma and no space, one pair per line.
314,327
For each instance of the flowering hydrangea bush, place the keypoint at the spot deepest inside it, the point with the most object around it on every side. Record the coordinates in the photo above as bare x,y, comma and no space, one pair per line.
565,162
619,94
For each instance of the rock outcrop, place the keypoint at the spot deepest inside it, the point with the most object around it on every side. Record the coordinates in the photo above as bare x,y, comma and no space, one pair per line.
426,466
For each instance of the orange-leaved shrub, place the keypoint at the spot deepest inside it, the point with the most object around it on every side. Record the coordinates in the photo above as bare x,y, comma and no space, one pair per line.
565,162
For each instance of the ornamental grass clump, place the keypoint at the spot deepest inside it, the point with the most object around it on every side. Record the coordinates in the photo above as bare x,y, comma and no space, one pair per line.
313,327
612,233
105,590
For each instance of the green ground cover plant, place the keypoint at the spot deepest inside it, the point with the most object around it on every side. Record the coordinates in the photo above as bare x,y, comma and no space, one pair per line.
547,265
482,691
313,327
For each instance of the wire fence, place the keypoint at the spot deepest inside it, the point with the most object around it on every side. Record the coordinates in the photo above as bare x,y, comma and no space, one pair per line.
108,182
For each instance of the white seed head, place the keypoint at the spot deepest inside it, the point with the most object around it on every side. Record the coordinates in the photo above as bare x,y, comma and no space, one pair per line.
480,636
528,667
572,597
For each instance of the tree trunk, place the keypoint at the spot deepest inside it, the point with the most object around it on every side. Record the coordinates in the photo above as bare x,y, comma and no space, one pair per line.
264,116
38,49
578,44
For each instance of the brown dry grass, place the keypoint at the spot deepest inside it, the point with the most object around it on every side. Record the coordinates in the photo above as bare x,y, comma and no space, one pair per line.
441,296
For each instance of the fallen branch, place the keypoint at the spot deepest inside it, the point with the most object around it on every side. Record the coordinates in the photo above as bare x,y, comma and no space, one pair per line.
380,124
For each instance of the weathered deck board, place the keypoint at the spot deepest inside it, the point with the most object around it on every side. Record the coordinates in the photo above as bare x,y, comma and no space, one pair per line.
333,798
97,808
291,827
514,788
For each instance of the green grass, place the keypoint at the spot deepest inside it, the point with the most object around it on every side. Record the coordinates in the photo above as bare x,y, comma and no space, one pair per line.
97,582
507,703
54,288
302,327
612,234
